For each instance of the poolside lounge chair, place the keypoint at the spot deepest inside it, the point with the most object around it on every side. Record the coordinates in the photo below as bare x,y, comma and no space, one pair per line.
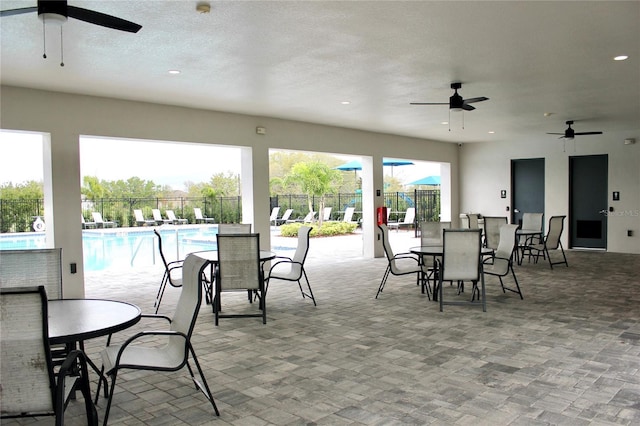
408,220
348,214
157,216
87,225
197,212
274,215
326,214
285,217
101,223
175,220
140,220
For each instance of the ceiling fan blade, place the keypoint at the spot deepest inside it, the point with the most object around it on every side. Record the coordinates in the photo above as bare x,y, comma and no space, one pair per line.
587,133
467,107
429,103
472,100
102,19
18,11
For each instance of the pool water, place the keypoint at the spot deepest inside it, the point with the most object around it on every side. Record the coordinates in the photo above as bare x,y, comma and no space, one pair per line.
128,248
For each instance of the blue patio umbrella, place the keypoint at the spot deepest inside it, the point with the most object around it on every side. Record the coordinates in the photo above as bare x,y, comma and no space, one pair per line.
429,180
355,165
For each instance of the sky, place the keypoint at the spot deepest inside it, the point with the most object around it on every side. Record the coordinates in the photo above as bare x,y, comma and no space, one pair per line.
165,163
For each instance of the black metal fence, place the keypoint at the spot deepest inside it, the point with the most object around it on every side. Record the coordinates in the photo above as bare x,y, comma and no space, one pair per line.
19,215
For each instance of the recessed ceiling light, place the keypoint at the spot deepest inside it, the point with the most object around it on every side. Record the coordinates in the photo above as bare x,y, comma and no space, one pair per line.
620,58
491,132
346,102
445,122
174,71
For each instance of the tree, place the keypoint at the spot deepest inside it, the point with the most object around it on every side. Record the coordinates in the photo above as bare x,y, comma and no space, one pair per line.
315,179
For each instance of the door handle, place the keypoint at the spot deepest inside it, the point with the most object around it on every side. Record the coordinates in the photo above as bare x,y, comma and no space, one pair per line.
603,211
516,211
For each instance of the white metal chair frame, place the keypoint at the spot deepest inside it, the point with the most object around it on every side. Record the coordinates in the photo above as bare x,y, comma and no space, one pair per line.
296,265
502,261
460,262
175,354
30,386
392,264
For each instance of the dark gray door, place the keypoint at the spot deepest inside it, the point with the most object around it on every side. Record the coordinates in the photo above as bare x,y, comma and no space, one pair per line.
588,201
527,187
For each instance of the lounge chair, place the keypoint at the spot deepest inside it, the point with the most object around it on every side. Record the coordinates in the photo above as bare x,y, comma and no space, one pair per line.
101,223
274,215
87,225
197,212
140,220
175,220
348,214
408,220
326,214
157,217
285,217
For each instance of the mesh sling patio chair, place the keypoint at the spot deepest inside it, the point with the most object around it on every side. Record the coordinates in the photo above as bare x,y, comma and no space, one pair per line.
399,263
502,261
551,242
30,384
292,269
137,354
285,217
348,214
473,220
461,262
239,269
273,218
492,226
431,235
172,273
234,228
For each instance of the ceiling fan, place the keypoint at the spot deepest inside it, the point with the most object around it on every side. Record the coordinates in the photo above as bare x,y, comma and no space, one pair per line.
54,11
570,133
456,102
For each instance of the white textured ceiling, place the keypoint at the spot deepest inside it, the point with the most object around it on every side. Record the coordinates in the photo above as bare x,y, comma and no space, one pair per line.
299,60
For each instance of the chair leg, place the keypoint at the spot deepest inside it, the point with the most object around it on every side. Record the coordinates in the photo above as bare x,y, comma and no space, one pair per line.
440,291
517,285
108,407
204,386
484,294
384,280
163,285
310,295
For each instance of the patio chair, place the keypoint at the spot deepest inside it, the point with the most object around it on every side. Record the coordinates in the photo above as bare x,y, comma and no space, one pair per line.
326,213
400,263
197,212
274,215
292,269
308,218
408,220
175,220
431,235
157,216
140,220
461,262
285,217
348,214
502,261
473,220
87,225
172,273
551,242
239,269
492,225
30,384
174,354
101,223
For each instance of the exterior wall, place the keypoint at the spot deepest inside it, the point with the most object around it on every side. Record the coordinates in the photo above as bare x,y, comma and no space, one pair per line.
65,117
485,170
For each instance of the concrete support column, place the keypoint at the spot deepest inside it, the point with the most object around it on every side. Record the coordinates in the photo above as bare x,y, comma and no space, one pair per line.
254,178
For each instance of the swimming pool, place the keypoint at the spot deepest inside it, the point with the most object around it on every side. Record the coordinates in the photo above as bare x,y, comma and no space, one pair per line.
125,248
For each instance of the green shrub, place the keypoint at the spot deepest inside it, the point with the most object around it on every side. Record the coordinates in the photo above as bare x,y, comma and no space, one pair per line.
328,229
